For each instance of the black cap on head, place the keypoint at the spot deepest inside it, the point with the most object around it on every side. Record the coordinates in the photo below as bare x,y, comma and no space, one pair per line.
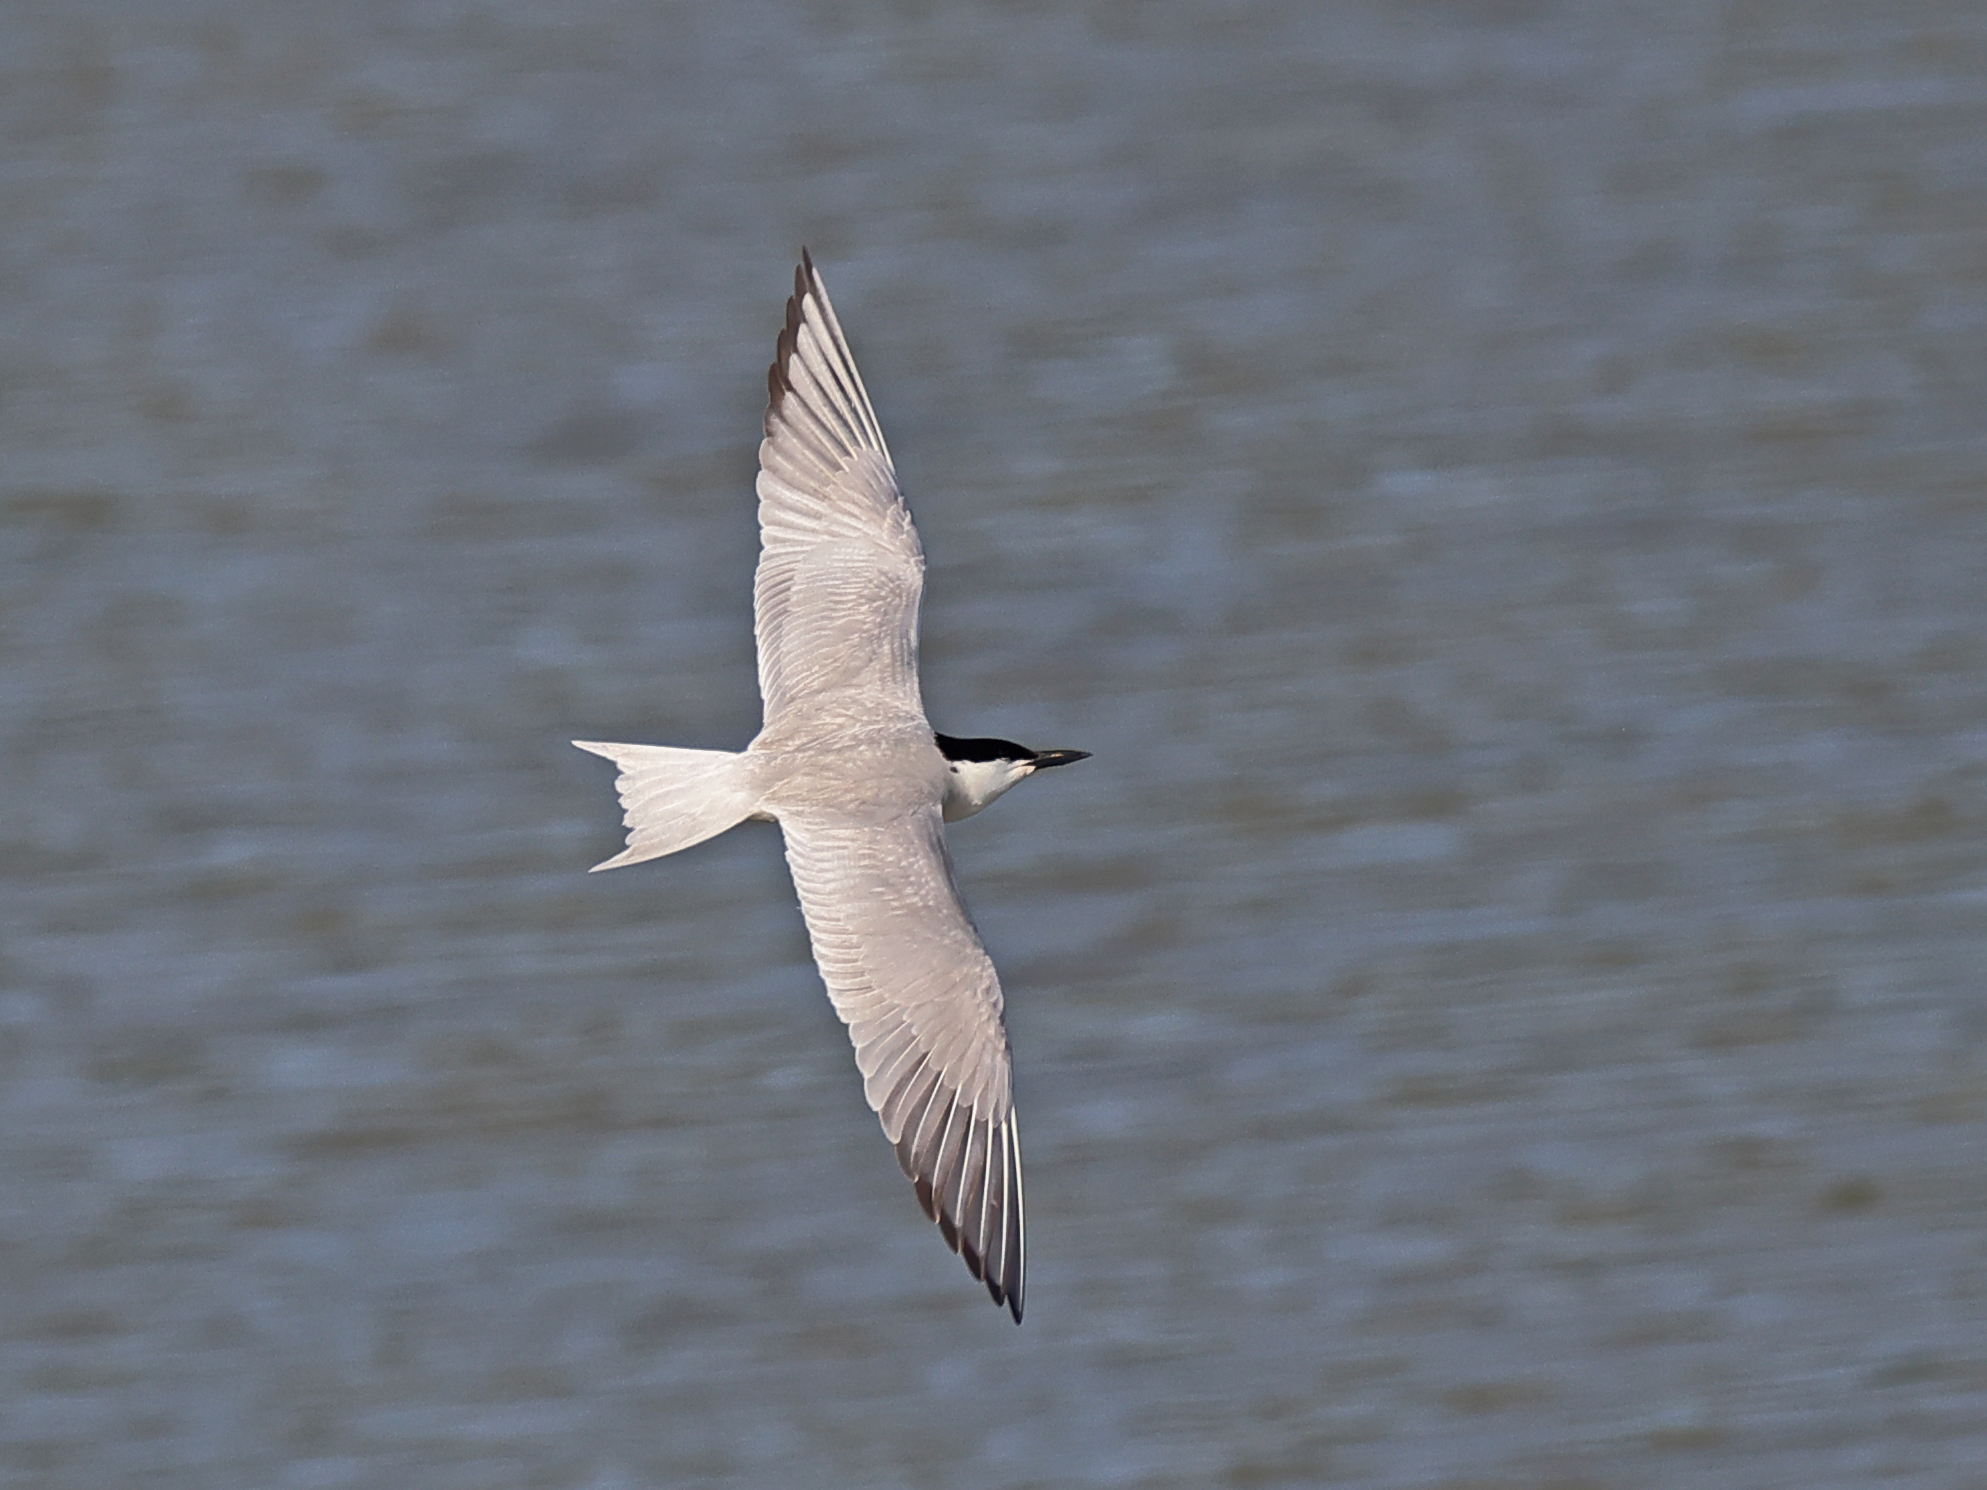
955,749
983,748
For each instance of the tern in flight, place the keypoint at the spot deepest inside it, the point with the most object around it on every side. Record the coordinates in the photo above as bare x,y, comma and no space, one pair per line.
861,786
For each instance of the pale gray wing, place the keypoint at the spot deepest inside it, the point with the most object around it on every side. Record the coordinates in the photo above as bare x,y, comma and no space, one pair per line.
840,568
906,972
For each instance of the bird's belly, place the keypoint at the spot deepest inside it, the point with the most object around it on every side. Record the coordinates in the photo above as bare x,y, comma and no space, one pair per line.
875,767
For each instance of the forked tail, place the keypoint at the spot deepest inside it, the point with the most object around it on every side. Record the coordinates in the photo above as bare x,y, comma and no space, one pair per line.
673,798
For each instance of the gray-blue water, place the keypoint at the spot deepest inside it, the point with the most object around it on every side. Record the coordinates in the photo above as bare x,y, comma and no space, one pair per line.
1497,486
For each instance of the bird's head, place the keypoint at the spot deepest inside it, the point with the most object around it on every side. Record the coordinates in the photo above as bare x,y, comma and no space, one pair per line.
979,770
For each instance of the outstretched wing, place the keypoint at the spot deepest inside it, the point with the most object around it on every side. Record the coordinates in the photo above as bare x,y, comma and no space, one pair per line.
906,972
840,568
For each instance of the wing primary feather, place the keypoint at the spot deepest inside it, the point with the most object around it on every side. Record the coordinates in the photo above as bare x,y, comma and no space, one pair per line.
986,1218
909,1146
822,366
819,399
793,418
864,410
914,1149
987,1208
968,1203
819,358
806,442
996,1279
902,1094
883,1057
944,1176
990,1208
1014,1269
936,1147
816,361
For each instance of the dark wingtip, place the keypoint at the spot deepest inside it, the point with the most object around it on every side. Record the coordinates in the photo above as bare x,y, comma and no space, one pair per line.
778,384
1005,1293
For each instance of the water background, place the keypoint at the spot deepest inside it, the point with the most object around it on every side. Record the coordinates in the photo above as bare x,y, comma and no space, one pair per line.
1497,485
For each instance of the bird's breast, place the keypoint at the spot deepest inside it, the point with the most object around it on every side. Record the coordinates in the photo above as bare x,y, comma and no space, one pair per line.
859,766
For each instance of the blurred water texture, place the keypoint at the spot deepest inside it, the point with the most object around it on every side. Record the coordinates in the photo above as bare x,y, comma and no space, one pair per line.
1498,487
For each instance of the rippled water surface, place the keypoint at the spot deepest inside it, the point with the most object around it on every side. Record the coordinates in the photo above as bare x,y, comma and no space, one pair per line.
1498,486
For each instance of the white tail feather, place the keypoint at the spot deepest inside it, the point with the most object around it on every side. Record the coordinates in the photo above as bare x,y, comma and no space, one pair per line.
675,798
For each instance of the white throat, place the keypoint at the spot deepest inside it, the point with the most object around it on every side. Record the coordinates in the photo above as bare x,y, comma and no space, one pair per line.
970,785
